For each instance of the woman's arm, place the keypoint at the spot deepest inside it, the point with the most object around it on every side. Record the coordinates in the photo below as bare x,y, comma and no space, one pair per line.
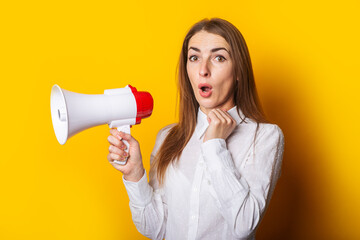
242,198
149,212
146,201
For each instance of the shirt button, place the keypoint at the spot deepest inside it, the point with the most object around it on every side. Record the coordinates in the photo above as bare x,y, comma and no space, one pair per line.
195,189
193,217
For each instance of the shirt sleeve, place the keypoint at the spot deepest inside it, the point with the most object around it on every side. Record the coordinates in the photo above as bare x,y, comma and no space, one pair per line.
147,203
242,196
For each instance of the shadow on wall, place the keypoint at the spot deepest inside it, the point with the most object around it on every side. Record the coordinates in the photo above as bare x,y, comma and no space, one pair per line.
295,206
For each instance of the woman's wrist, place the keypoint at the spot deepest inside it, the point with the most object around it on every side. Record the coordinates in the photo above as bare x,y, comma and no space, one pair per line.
136,175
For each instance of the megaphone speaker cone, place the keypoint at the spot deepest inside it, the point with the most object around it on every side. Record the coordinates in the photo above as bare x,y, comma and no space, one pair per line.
59,114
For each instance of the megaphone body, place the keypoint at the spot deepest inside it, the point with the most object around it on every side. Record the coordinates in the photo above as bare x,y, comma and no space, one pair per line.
120,108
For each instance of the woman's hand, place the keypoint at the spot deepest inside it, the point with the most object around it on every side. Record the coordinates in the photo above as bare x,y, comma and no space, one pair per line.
221,125
133,170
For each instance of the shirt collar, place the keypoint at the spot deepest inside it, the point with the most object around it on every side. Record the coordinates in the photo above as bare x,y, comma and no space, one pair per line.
202,123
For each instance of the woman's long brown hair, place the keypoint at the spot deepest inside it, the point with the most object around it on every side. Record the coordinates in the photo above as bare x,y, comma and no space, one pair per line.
245,94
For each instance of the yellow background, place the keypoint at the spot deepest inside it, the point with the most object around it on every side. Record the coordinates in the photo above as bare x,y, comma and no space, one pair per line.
306,61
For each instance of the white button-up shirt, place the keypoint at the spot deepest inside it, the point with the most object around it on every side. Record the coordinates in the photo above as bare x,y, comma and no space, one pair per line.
219,189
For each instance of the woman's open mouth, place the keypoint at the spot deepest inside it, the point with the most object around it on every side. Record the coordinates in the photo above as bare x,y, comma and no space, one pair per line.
205,90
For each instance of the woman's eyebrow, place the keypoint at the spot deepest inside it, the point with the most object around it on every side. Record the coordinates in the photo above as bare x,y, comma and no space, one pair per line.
212,50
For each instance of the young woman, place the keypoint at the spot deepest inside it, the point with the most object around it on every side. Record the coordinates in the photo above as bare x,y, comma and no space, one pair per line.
213,173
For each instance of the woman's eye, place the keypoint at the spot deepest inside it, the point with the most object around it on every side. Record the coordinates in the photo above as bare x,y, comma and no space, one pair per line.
220,58
193,58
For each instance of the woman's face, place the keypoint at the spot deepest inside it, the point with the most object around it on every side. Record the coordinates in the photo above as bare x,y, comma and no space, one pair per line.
209,68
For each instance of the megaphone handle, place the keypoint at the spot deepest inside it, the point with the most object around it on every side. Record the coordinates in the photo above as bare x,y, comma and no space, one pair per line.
125,129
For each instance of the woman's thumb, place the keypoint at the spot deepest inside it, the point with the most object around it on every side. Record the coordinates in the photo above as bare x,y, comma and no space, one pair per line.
127,137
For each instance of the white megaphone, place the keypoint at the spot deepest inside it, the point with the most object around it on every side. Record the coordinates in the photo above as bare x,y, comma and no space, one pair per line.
120,108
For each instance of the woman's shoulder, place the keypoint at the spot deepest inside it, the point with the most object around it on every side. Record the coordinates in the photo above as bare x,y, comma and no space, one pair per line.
270,127
271,131
161,135
163,132
265,129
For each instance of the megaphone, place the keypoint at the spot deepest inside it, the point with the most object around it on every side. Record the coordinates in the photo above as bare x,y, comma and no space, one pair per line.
120,108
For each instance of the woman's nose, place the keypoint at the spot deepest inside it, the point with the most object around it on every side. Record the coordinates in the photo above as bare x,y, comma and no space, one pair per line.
204,69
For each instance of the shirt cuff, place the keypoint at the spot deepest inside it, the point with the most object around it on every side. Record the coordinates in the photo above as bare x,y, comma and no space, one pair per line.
140,193
216,155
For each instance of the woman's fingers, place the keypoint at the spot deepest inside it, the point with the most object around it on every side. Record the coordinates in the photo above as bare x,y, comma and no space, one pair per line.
119,157
114,132
116,142
116,150
213,118
116,138
127,137
221,125
226,117
219,116
109,158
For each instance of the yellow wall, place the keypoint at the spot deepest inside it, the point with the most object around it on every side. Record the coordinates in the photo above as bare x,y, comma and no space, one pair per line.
306,62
